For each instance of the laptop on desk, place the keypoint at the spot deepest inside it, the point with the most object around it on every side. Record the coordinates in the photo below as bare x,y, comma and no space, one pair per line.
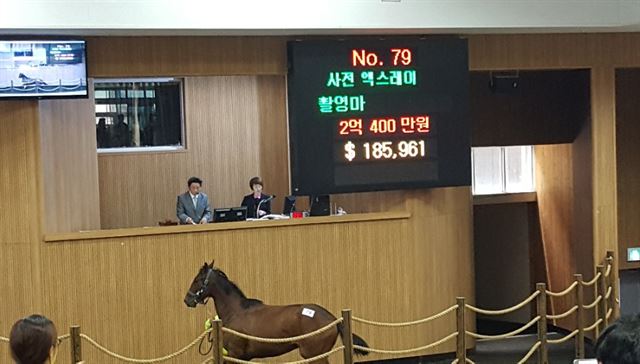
230,214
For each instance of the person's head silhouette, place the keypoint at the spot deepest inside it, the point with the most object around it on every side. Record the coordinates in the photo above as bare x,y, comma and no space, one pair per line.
34,340
620,342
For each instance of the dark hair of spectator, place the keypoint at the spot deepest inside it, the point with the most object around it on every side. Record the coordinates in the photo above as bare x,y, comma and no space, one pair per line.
620,342
194,180
255,181
31,339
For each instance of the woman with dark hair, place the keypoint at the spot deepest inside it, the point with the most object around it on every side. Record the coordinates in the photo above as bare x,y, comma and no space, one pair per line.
34,340
258,204
620,342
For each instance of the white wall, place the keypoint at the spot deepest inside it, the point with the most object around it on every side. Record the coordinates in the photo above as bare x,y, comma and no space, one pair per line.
326,16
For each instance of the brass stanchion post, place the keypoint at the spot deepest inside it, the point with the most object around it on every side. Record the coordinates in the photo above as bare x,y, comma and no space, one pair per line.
461,345
579,317
613,281
217,350
347,336
542,323
76,344
602,291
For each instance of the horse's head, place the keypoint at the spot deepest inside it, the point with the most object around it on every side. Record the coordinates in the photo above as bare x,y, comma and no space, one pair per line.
203,284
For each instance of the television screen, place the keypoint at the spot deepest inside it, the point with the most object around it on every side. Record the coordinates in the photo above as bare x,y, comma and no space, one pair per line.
378,114
43,68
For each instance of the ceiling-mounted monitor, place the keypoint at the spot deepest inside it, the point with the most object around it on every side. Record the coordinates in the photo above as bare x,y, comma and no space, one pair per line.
43,68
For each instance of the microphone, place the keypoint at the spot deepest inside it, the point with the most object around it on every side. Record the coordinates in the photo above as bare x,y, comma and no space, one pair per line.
260,203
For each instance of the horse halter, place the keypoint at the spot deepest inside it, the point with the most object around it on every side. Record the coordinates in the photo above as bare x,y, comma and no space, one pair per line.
203,288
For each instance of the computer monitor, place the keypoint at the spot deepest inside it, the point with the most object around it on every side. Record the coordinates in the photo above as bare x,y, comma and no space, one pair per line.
319,205
289,205
230,214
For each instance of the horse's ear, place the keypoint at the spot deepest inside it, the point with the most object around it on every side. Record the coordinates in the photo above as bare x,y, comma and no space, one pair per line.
206,265
212,260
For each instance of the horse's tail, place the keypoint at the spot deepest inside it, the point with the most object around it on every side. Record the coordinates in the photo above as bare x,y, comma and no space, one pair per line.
357,340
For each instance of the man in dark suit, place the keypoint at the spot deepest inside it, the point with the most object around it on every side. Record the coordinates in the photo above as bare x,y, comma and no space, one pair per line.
256,198
193,206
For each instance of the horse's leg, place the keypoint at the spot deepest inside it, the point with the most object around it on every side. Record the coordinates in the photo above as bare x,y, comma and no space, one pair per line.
309,351
317,345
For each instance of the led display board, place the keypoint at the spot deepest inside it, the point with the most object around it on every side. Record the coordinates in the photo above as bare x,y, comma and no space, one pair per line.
378,114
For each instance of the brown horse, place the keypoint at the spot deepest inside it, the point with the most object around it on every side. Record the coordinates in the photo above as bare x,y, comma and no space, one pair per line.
252,317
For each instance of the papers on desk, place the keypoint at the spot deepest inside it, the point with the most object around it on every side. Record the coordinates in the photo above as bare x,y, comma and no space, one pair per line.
271,217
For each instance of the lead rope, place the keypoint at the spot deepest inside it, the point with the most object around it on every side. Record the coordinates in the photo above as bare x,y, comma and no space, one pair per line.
209,336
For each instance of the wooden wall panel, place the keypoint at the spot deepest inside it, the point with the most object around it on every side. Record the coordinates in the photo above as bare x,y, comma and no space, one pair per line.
605,199
185,56
19,181
70,165
582,232
627,151
235,128
127,292
273,145
554,185
546,51
499,231
20,193
600,53
20,284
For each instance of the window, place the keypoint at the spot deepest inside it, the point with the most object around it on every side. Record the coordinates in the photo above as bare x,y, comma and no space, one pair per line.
138,114
499,170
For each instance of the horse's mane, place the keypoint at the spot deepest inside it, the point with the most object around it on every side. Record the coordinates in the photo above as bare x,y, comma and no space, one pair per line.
230,287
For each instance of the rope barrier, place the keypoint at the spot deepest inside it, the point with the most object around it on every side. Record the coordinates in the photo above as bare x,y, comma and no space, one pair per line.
563,315
530,352
405,351
592,304
506,310
284,339
608,294
563,339
61,338
504,336
595,324
567,290
133,360
609,312
408,323
455,361
321,356
64,337
210,360
608,271
593,281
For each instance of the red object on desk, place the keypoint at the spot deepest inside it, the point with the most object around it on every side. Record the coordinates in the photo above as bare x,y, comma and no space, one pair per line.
296,215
